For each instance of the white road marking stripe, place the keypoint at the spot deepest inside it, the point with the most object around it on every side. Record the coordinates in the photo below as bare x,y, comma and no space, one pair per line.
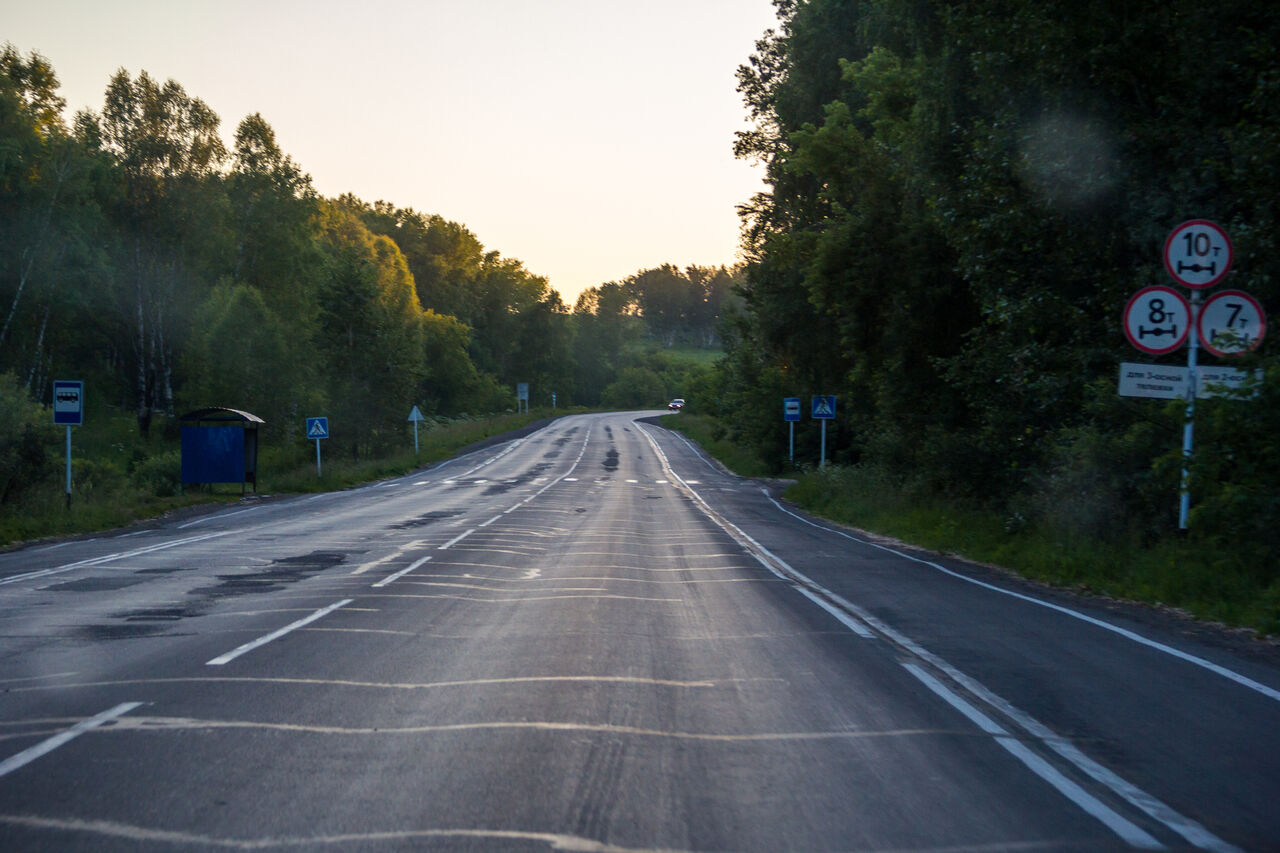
1127,830
275,635
45,747
395,576
361,569
490,521
1242,680
848,621
455,540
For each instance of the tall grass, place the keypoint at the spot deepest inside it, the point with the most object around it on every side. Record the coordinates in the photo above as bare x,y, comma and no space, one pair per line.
1187,574
716,439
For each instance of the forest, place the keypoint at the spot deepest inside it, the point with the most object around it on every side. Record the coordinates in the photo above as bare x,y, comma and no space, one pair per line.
960,200
170,270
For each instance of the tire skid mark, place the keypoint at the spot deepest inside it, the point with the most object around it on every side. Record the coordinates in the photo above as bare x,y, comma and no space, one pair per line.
372,685
159,724
141,834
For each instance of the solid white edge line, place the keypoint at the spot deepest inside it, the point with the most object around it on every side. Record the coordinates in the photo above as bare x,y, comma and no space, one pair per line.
1217,669
110,558
216,517
275,635
395,576
1140,799
1127,830
27,756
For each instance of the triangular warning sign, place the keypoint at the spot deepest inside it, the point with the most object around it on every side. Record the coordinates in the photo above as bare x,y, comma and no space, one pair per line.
416,415
318,430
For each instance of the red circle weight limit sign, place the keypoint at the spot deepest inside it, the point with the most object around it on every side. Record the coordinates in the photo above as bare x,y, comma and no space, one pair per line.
1157,319
1197,254
1231,323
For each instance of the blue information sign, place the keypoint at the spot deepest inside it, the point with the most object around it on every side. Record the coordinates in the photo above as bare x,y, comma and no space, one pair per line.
68,402
791,408
317,427
824,407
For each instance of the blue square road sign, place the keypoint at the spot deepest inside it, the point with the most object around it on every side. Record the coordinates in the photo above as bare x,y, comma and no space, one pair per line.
317,427
824,407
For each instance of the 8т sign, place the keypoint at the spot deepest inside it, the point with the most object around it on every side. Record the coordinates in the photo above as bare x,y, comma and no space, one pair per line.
1157,319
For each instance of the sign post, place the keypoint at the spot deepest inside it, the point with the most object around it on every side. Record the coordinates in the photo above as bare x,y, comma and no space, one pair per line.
318,428
415,416
522,395
823,409
68,410
791,414
1197,255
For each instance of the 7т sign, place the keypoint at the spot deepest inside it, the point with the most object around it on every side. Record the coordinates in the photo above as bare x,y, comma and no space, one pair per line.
1231,323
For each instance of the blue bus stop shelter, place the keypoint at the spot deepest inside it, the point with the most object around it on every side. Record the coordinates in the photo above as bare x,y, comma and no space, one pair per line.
220,446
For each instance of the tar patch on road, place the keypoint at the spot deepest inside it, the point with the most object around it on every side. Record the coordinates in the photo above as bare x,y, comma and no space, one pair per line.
425,519
274,577
95,584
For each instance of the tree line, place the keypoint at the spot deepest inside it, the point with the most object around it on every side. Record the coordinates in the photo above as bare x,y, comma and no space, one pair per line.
960,199
171,269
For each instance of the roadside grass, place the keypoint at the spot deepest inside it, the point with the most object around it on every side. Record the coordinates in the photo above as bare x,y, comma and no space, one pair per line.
119,478
715,439
1195,576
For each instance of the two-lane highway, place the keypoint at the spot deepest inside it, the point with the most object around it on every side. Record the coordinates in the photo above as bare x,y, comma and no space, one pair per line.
594,639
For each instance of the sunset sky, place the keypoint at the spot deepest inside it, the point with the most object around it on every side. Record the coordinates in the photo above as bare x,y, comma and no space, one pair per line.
588,138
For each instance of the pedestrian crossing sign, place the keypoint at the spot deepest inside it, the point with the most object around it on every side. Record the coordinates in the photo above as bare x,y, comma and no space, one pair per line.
317,427
824,407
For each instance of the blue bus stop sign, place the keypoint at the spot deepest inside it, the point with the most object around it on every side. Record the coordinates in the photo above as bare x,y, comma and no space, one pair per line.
791,409
68,402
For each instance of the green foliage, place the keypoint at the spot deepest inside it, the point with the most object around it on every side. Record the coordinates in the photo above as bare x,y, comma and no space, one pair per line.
26,438
159,475
960,199
635,388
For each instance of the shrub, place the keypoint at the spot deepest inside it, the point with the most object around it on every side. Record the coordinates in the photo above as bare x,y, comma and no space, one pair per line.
26,436
160,475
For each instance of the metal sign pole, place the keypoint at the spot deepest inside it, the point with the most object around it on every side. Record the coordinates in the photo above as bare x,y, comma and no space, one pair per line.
822,459
68,467
415,438
317,457
791,445
1188,430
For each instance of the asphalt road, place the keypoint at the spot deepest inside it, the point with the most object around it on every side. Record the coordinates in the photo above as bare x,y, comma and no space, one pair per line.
592,639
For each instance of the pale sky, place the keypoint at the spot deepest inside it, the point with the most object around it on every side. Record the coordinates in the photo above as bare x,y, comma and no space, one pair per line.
588,138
